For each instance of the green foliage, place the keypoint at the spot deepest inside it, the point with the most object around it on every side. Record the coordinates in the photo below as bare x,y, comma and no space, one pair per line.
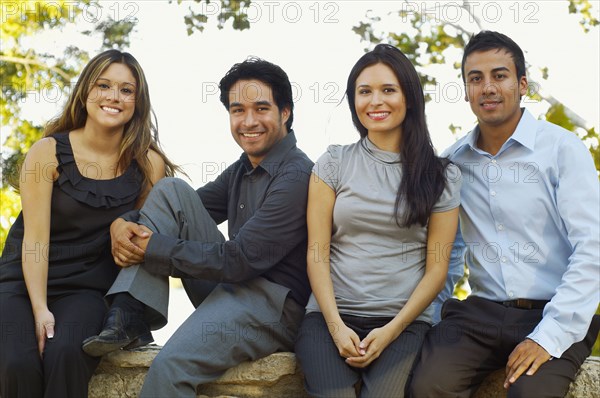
556,114
25,71
583,8
115,33
454,129
225,10
424,40
596,348
460,291
428,40
23,137
10,205
593,138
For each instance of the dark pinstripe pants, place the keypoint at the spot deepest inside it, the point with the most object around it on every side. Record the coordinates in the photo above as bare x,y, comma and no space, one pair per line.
327,374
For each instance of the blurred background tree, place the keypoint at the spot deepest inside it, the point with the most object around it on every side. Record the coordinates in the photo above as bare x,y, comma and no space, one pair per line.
25,72
428,40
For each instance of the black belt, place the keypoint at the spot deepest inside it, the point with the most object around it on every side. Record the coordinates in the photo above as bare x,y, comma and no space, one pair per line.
525,304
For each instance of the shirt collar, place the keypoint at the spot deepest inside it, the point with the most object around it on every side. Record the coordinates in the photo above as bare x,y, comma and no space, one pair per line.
524,134
526,130
275,157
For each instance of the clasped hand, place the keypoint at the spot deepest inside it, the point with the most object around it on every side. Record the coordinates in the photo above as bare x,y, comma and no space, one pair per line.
360,354
128,242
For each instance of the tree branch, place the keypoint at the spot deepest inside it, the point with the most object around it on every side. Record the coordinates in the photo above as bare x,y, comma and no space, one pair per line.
29,61
575,118
467,6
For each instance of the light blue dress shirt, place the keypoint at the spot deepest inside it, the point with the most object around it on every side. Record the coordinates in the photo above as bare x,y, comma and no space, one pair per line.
529,219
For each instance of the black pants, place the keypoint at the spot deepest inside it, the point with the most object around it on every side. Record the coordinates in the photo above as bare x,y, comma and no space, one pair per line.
64,370
475,338
328,375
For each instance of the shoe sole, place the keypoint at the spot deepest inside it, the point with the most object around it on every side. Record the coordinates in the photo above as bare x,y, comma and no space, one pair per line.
96,348
140,341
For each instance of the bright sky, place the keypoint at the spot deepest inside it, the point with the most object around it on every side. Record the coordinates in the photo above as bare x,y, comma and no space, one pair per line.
314,43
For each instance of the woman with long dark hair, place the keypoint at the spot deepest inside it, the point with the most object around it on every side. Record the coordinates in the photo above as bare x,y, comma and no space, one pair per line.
382,216
97,160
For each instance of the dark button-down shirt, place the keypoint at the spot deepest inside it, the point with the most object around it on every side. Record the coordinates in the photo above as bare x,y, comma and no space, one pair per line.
266,212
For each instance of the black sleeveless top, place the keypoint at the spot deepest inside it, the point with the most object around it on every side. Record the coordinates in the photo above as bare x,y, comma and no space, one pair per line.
82,210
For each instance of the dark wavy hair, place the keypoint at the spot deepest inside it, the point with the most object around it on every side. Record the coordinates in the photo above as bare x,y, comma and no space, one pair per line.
423,178
272,75
488,40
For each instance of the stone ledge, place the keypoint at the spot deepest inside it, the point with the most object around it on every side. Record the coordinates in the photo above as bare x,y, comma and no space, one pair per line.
586,384
121,375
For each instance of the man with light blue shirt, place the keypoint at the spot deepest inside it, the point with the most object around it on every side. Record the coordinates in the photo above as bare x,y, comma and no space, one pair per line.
529,226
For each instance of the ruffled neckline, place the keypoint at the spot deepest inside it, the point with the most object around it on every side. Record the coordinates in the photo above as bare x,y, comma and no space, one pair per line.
109,193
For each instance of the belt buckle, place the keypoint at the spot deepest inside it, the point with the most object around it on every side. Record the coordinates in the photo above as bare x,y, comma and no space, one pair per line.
523,304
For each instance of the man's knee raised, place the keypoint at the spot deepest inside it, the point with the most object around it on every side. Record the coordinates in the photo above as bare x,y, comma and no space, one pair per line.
173,185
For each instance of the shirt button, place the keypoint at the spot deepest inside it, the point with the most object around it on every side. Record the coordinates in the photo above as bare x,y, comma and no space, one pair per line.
234,235
500,227
242,206
503,259
511,294
493,193
494,161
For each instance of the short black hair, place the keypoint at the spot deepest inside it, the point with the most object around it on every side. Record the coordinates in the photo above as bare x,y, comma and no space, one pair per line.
272,75
489,40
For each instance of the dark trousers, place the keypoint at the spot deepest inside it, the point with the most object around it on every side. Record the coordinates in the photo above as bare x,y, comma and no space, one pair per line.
64,370
327,374
475,338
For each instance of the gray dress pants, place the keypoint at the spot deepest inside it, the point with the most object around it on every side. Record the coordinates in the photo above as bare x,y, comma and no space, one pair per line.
172,208
232,322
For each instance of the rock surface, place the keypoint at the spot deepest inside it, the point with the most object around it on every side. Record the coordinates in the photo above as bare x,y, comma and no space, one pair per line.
121,375
586,384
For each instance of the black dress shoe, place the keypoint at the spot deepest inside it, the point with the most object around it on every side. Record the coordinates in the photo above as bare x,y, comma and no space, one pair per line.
121,330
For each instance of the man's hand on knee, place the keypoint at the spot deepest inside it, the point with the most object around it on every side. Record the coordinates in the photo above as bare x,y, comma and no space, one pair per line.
128,242
527,356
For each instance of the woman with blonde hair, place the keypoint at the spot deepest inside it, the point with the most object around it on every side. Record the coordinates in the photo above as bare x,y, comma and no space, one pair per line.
97,160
